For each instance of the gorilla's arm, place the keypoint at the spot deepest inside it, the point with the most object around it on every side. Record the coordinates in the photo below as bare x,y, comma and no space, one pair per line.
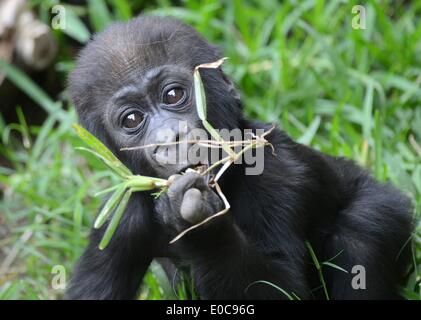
117,271
225,264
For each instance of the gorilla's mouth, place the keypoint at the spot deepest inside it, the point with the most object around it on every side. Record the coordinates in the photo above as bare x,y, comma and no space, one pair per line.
200,167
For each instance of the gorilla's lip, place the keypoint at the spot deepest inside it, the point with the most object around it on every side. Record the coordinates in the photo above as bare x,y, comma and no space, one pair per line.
201,167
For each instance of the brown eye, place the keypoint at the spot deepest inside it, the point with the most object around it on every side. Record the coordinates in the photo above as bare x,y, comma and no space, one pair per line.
132,120
173,95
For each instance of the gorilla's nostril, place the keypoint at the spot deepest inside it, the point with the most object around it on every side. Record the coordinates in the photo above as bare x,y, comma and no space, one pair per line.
155,149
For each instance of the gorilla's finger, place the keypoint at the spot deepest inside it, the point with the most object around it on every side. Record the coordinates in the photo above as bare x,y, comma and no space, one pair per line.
187,181
192,206
214,201
172,178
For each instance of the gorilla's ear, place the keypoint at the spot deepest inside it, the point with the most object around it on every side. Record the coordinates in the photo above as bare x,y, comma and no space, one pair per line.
231,87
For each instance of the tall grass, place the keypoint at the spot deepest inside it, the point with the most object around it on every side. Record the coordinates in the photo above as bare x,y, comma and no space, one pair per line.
346,92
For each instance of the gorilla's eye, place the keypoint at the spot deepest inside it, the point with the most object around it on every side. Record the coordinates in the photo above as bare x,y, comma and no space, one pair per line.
132,120
174,95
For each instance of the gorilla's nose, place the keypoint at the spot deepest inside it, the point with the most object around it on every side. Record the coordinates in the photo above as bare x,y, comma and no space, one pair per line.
171,139
171,146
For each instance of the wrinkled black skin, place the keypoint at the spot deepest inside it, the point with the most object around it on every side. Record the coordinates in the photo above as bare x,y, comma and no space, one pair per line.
301,195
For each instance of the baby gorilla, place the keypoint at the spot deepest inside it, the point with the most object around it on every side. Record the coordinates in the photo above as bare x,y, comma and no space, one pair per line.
135,79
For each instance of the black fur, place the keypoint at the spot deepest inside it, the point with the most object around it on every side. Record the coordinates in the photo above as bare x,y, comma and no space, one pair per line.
302,195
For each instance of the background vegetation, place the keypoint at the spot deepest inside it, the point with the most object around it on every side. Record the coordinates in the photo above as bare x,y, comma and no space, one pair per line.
346,92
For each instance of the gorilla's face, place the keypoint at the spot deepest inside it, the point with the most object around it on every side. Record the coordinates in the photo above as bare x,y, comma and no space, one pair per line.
157,109
133,87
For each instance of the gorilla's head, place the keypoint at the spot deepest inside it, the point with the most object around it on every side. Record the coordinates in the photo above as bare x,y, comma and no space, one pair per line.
135,79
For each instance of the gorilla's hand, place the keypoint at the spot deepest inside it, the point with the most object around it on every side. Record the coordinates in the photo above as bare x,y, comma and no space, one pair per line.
189,200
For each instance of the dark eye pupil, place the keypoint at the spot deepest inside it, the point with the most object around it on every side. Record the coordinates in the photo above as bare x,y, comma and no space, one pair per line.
173,96
132,120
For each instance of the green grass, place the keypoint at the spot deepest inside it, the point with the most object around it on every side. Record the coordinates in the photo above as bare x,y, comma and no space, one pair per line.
346,92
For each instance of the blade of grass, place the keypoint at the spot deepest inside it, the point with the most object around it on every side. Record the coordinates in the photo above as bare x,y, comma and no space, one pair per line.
318,267
332,265
101,149
368,110
115,167
112,227
98,14
378,164
272,285
123,9
75,27
110,205
310,132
